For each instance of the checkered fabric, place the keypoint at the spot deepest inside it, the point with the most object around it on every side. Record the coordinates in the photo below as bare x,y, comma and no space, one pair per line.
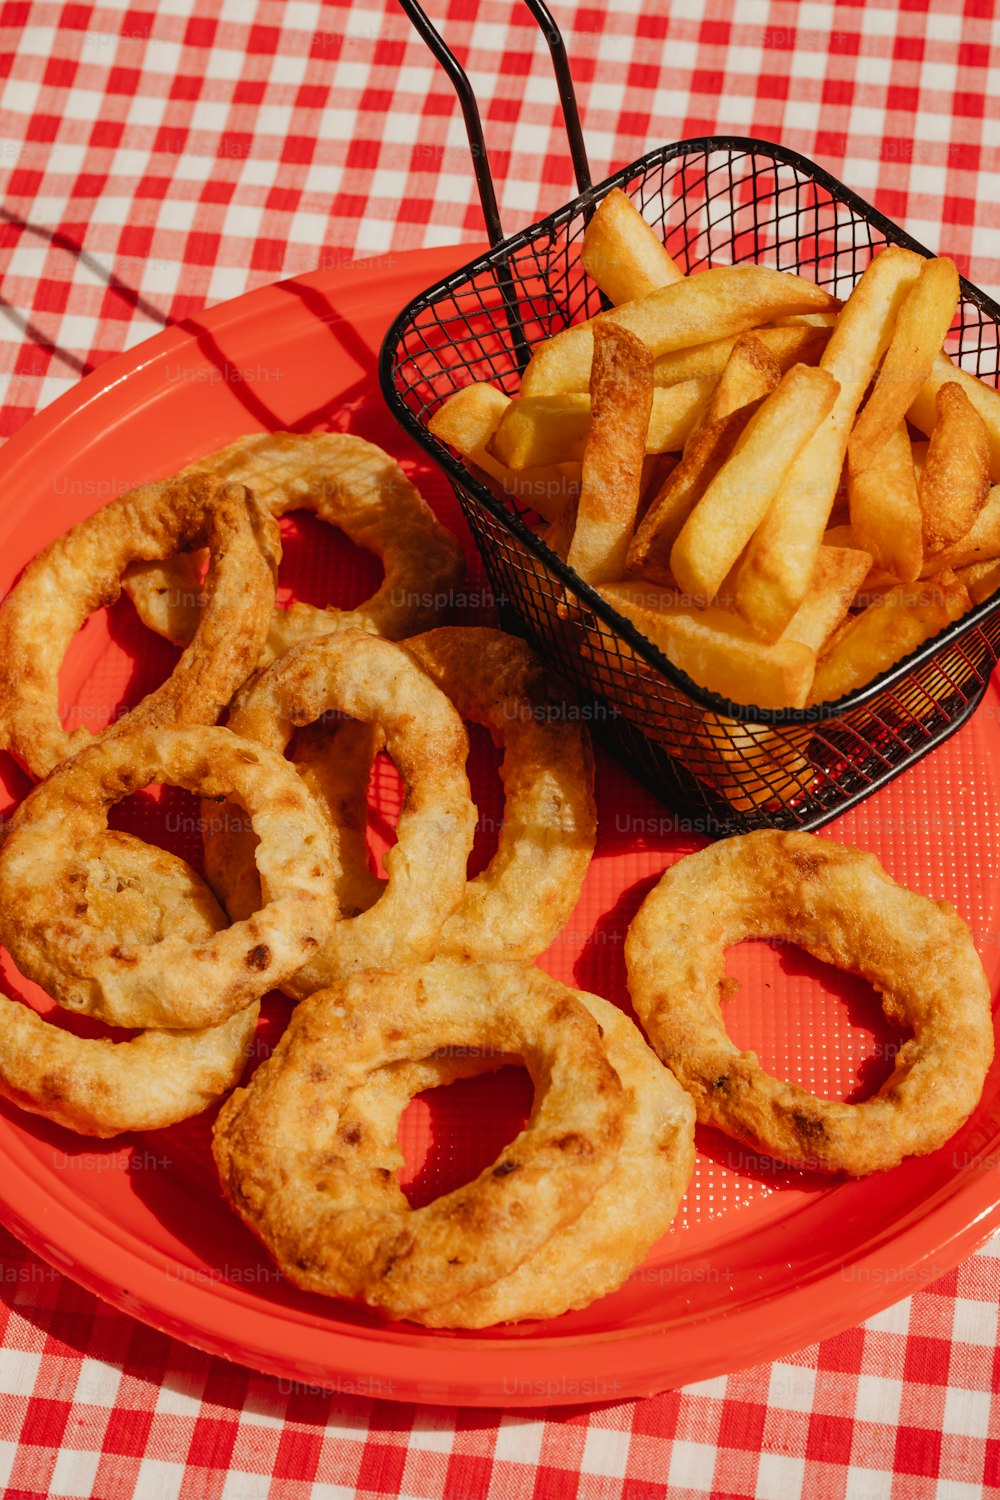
159,157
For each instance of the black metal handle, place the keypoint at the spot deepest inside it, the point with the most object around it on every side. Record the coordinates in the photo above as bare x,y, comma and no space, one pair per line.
470,109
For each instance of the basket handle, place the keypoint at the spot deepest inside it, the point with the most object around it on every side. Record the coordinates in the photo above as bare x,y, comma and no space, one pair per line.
470,109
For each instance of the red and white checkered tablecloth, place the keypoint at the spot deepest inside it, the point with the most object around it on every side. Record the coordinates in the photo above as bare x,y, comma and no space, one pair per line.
158,157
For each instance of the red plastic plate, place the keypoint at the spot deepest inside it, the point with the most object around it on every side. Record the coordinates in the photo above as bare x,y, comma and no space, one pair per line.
761,1260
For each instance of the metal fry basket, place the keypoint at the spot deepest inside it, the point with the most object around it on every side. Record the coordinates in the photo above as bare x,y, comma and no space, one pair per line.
723,767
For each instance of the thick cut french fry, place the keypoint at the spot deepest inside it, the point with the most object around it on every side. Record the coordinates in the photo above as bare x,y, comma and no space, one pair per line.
837,576
649,554
775,574
985,398
716,649
467,422
740,495
924,318
543,430
751,371
889,629
885,512
623,254
621,394
717,303
749,765
955,479
789,346
979,545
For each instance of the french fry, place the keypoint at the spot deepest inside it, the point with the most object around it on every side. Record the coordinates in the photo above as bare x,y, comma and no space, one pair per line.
837,576
885,512
775,574
559,533
649,554
955,479
718,303
919,451
621,394
544,430
924,318
467,422
750,765
981,579
623,254
979,545
716,649
985,398
789,346
751,371
740,495
889,629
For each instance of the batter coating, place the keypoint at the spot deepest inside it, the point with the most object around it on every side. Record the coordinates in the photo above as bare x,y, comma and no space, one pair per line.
81,571
350,484
841,906
300,1168
101,1087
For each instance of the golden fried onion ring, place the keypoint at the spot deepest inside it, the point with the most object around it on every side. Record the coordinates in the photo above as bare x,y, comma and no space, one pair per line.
841,906
348,483
373,680
517,905
171,983
298,1166
80,571
634,1208
100,1087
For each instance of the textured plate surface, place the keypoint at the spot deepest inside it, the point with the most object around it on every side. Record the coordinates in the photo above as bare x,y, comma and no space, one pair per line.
761,1260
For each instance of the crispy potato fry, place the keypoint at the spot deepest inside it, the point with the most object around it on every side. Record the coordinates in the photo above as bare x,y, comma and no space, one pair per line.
543,430
740,495
885,512
775,574
837,576
751,371
985,398
621,394
717,303
748,764
559,533
789,346
955,479
890,628
923,320
623,254
981,579
468,420
716,648
980,544
649,554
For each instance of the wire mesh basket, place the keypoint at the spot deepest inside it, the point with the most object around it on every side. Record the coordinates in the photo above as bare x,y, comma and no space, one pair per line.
723,767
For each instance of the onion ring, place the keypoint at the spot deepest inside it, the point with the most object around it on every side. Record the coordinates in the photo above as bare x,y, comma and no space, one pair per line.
373,680
841,906
299,1169
519,903
80,571
348,483
634,1208
171,983
101,1087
